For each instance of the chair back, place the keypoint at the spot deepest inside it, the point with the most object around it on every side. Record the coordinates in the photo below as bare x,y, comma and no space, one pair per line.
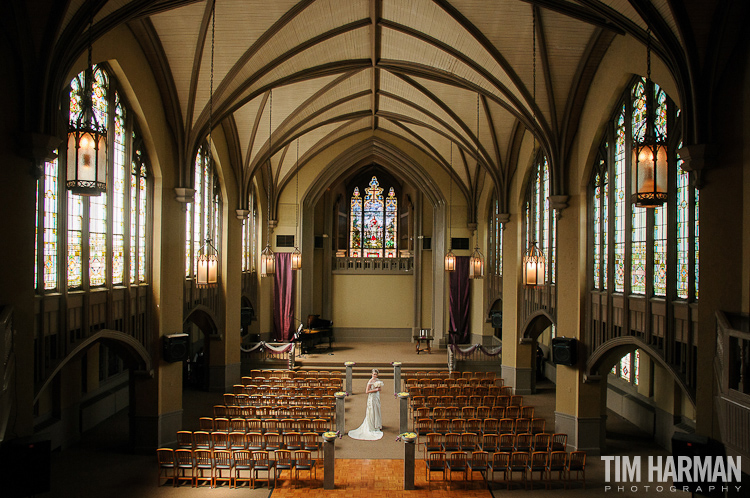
436,460
483,411
184,458
303,459
518,460
500,460
457,460
206,424
522,425
557,460
242,458
185,440
479,459
254,441
559,441
283,459
524,441
507,442
577,460
527,412
538,460
201,440
452,441
489,442
223,459
165,457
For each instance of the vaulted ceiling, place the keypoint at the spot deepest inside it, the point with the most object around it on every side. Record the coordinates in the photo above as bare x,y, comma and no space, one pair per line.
431,72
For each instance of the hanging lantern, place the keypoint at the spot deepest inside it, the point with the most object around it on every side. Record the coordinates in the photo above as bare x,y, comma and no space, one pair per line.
649,166
207,271
533,267
267,262
450,261
296,259
649,163
87,144
476,264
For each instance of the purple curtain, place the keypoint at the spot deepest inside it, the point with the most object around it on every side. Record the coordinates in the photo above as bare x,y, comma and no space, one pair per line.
460,295
283,297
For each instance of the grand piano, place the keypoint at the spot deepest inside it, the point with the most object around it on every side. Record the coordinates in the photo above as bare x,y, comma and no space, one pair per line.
317,331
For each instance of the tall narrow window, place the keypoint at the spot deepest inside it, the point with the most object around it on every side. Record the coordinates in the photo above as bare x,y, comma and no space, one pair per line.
206,210
495,255
138,202
373,222
75,237
50,218
540,220
118,196
619,231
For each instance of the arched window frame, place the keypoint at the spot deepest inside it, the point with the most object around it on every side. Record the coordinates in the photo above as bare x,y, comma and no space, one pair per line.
495,242
203,216
249,227
388,211
116,250
638,251
540,222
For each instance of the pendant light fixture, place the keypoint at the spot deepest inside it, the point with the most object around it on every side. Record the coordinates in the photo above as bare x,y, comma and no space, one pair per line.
207,269
476,261
649,161
87,140
450,258
267,257
533,260
296,254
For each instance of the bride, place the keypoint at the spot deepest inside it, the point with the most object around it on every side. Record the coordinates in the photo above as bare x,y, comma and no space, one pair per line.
370,429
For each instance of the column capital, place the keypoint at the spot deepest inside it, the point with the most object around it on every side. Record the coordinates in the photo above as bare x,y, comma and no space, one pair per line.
39,147
184,195
242,213
694,160
503,218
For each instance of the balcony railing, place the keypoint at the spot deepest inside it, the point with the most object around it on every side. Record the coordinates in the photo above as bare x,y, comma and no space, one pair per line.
373,266
732,368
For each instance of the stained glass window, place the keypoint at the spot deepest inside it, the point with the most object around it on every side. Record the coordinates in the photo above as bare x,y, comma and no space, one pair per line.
660,251
373,222
98,236
541,224
695,242
638,251
118,196
625,367
139,199
206,210
50,234
637,367
495,255
619,243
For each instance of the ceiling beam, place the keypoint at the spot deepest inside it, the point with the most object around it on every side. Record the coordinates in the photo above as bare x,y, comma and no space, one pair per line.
578,12
376,42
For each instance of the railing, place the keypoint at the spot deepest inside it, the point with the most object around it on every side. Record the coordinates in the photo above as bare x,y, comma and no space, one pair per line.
263,352
208,297
470,357
541,298
7,367
373,265
732,369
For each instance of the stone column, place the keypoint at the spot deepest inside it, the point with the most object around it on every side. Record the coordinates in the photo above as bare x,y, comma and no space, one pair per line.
340,421
409,450
396,376
403,412
329,458
349,365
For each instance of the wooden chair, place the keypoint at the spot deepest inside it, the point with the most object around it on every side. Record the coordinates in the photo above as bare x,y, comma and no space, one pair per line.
254,441
559,442
458,425
419,413
537,463
293,441
497,412
577,464
439,412
262,463
221,424
452,412
167,466
522,425
311,442
203,464
303,461
499,463
320,426
516,400
273,441
557,462
518,462
201,440
478,463
237,441
219,440
490,426
489,443
483,412
469,442
468,412
451,442
238,425
507,442
423,427
542,442
457,462
184,462
436,463
185,440
512,411
432,443
243,462
474,425
506,425
442,426
222,462
284,462
206,424
537,425
524,442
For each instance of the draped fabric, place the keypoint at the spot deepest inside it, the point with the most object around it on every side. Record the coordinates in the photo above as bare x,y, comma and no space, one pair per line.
283,297
460,295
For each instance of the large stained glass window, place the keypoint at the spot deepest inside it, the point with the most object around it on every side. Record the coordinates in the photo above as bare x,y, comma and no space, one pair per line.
600,219
540,220
373,222
495,255
138,202
92,251
204,217
619,228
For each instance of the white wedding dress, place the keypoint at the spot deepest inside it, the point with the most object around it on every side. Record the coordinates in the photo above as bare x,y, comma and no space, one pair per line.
370,430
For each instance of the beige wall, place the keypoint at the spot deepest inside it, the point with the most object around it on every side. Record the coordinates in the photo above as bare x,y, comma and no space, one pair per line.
373,301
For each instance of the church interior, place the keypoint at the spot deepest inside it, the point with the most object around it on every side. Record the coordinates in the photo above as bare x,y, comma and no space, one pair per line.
197,194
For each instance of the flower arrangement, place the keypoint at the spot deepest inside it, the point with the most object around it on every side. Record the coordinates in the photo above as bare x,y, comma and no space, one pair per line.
407,436
349,363
330,435
341,394
396,363
402,394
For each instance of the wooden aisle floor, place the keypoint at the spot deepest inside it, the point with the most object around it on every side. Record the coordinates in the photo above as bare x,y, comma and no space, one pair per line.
362,478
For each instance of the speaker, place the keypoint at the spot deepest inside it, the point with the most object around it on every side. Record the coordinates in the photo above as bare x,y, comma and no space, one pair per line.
497,319
28,466
564,351
175,347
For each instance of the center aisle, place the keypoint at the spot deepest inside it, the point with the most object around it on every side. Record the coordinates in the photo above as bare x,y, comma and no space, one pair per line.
356,405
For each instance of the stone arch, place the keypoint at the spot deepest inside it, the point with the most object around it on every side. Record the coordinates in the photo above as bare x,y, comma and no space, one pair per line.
602,359
133,353
535,324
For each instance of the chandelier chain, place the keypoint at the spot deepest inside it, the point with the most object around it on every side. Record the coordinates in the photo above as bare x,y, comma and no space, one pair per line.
648,53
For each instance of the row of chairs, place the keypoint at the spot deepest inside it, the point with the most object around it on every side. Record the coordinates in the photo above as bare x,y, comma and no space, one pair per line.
510,463
480,425
467,412
231,399
445,374
294,388
462,382
290,374
271,411
221,424
491,443
476,401
469,390
252,441
233,467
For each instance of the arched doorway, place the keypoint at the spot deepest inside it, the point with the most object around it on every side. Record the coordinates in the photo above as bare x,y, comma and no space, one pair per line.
539,330
200,326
